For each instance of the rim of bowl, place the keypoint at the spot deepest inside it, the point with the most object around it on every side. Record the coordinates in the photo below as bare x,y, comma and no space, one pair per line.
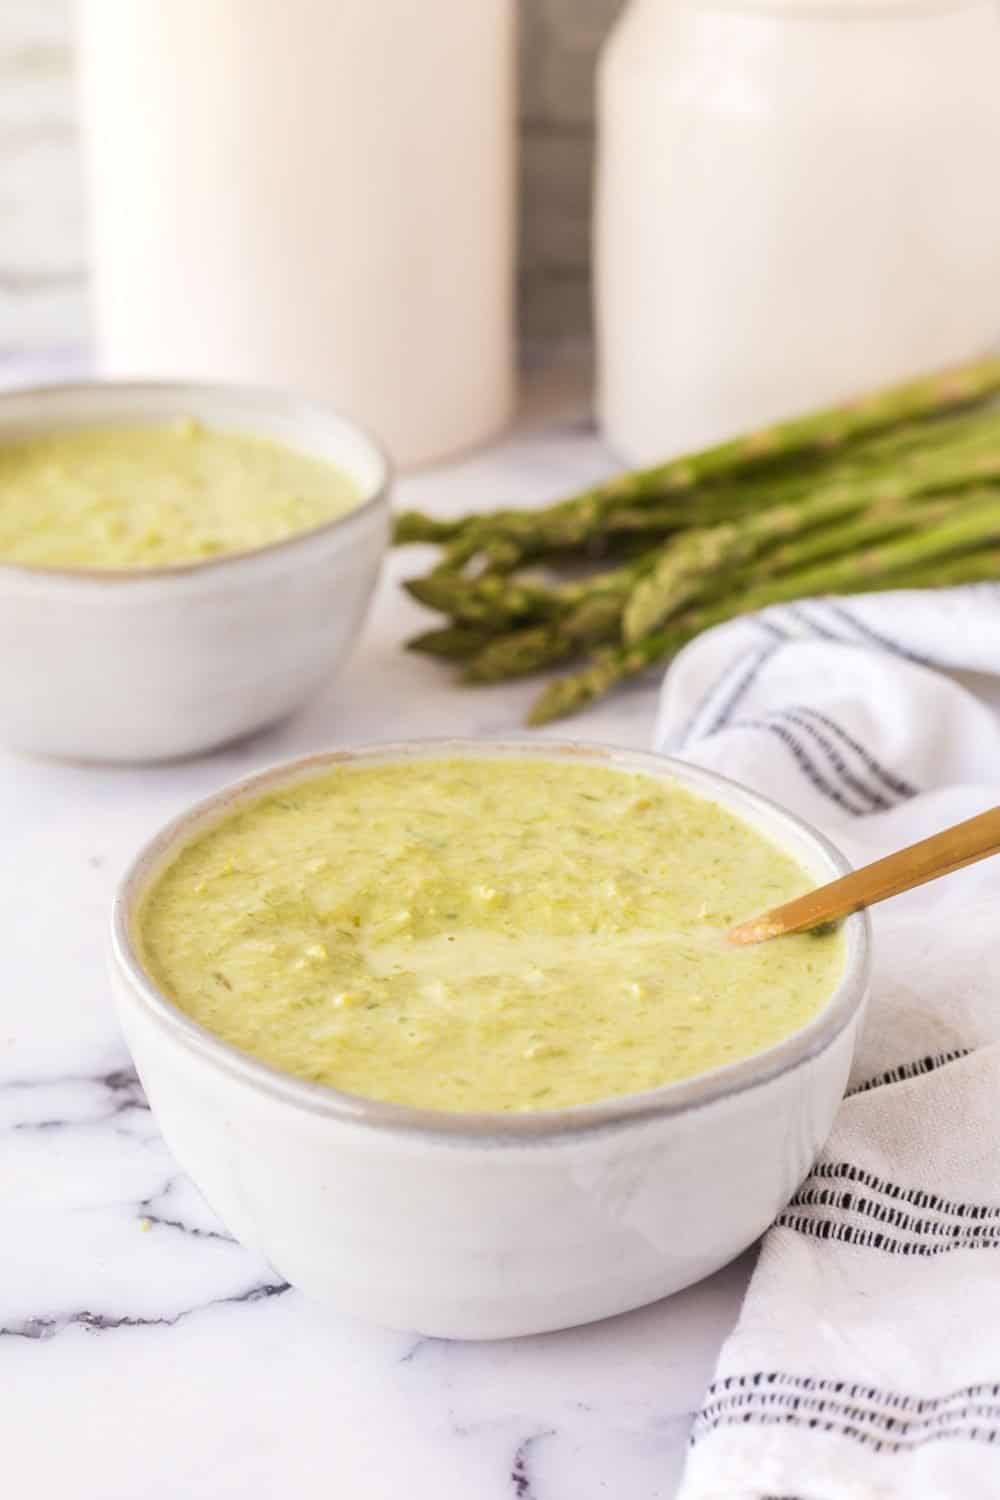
267,399
530,1125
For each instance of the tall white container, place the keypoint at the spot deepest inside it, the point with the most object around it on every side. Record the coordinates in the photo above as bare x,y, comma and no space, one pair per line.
315,194
797,201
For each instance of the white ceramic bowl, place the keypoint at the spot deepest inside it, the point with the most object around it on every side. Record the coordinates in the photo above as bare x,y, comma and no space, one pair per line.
490,1225
137,665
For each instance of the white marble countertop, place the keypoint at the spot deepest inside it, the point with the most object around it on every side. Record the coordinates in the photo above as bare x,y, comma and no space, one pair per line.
143,1354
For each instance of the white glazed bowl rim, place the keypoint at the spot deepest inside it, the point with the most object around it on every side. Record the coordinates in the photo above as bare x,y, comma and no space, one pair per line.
499,1127
205,395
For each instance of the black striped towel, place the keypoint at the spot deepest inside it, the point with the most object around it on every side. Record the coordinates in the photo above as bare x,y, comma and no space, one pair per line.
866,1361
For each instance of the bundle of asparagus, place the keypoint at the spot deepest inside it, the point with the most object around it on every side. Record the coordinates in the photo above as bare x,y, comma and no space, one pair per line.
898,490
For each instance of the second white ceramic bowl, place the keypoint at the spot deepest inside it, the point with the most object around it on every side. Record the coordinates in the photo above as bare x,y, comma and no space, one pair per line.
489,1225
137,665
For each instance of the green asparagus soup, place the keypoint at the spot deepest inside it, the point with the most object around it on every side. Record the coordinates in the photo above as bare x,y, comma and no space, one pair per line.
139,497
483,934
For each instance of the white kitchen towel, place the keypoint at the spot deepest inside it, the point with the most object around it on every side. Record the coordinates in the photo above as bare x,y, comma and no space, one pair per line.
866,1361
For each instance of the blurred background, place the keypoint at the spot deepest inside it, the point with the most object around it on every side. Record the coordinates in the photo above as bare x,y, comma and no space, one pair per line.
43,267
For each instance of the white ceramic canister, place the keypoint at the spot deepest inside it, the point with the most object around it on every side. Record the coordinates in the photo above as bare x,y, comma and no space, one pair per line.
310,195
797,201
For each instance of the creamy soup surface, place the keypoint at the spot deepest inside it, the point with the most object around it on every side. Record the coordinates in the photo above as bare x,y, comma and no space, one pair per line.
135,497
478,934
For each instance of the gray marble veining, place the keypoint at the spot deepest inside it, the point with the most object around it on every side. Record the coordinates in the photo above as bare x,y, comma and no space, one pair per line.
144,1354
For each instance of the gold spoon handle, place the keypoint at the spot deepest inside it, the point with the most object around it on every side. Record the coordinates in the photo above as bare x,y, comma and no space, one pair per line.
977,838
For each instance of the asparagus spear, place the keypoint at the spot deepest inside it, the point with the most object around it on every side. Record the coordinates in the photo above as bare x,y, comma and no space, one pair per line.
680,573
507,538
612,665
894,415
452,642
497,601
489,599
974,524
590,612
969,456
415,526
661,583
580,525
851,537
682,569
823,431
520,652
931,558
495,598
767,517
